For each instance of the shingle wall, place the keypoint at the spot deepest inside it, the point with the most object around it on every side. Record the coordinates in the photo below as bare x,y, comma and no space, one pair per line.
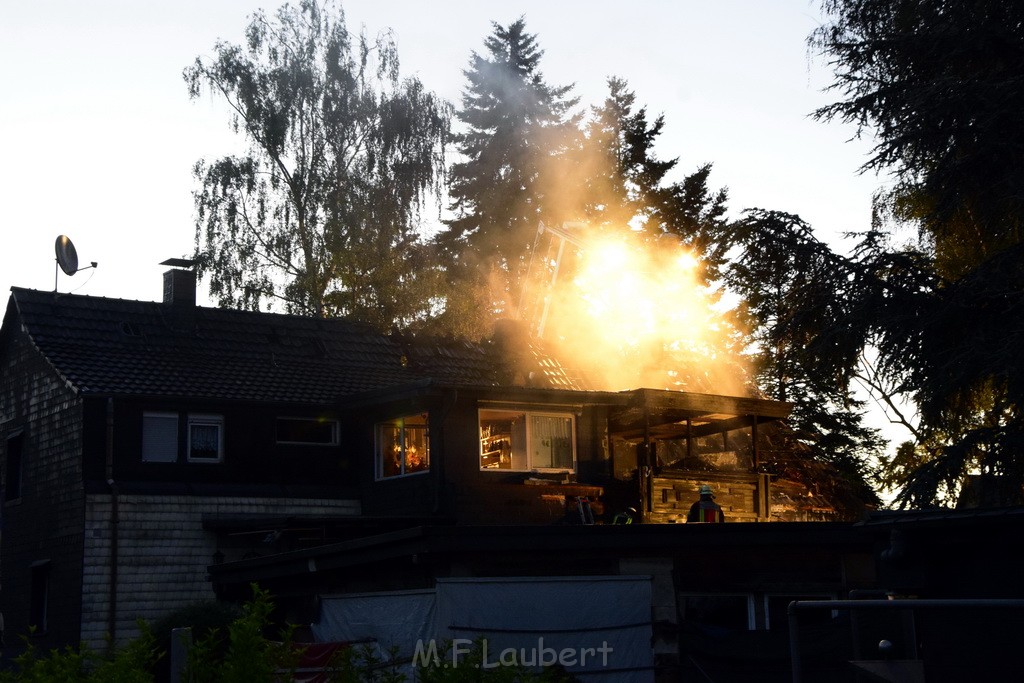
163,553
41,527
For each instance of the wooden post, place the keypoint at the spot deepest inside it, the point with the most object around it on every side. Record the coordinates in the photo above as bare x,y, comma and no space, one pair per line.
647,480
181,643
689,443
753,438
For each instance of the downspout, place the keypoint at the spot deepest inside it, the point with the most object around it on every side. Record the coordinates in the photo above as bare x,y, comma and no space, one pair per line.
114,520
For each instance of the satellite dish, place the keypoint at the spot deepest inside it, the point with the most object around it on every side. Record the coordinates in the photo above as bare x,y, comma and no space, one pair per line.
67,257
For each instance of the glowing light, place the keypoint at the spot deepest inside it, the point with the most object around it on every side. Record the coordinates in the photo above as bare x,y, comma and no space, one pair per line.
687,261
636,313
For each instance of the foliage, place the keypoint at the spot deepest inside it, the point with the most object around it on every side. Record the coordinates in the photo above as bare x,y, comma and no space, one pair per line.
881,317
939,85
250,656
627,185
253,658
795,292
203,618
130,664
321,212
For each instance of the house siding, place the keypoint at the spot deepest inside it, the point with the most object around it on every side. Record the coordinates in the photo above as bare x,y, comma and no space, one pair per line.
163,552
43,526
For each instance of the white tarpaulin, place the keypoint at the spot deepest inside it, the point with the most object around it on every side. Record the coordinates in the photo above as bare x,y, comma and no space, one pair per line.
598,628
390,620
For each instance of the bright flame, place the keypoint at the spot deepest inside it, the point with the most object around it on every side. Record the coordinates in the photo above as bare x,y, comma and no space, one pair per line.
646,318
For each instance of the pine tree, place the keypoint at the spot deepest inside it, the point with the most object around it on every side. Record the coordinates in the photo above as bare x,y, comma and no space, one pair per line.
628,185
515,128
796,294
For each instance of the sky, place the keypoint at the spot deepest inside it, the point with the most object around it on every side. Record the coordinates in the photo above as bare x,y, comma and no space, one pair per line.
100,135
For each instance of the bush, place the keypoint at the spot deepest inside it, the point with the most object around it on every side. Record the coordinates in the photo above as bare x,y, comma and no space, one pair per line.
130,664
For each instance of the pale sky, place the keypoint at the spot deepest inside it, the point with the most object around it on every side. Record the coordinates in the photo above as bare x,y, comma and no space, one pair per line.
100,134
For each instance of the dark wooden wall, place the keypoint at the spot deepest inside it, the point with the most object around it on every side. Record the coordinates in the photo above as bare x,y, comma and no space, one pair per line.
252,457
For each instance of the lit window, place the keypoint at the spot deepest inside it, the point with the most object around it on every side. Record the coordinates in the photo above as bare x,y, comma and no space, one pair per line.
403,446
310,431
159,437
205,438
523,441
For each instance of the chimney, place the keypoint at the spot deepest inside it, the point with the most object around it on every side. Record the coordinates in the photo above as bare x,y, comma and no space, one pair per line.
180,282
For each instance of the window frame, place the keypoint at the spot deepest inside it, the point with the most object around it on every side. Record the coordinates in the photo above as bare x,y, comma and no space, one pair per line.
378,446
528,412
204,419
335,431
177,436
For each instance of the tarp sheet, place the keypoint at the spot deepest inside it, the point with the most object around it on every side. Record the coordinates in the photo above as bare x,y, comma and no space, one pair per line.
598,628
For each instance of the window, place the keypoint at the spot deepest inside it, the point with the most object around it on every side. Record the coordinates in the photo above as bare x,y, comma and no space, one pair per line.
311,431
159,437
40,597
521,440
403,446
15,454
205,438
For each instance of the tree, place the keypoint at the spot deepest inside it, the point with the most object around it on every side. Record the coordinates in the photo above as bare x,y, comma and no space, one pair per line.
627,184
516,128
940,86
794,290
321,212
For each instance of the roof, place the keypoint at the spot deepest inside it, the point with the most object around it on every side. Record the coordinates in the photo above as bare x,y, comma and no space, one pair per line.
106,346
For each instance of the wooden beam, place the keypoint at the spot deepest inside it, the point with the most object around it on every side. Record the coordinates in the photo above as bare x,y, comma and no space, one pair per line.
710,403
678,430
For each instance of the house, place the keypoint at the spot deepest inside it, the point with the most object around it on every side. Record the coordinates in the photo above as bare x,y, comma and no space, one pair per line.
143,442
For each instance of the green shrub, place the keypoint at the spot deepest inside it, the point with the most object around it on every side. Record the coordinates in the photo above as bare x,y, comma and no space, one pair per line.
130,664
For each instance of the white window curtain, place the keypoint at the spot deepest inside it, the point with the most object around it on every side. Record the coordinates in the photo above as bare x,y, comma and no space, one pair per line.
551,441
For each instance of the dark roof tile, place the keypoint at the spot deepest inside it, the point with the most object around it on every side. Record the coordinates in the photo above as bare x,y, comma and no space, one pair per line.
119,346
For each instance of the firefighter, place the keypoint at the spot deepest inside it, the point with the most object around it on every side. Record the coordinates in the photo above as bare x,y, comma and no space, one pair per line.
705,509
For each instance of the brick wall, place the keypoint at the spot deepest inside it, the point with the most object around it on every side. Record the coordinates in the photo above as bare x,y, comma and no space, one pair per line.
163,553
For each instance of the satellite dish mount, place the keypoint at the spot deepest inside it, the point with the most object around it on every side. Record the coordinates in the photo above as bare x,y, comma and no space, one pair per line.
67,258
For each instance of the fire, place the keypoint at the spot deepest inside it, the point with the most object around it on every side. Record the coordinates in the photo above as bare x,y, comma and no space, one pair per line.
634,312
